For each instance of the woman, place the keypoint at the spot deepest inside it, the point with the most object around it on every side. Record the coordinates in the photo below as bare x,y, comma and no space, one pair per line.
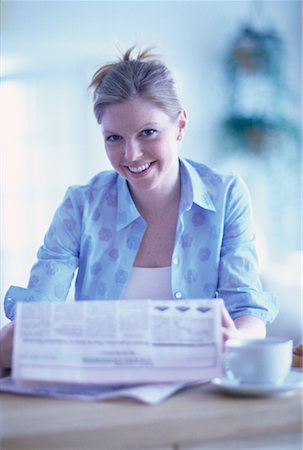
157,226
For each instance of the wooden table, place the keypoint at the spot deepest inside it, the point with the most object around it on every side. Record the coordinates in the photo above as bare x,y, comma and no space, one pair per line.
197,418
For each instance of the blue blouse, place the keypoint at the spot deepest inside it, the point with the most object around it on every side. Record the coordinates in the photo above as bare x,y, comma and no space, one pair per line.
97,230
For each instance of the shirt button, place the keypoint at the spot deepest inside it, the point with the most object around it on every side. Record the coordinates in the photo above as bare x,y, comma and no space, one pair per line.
178,294
175,260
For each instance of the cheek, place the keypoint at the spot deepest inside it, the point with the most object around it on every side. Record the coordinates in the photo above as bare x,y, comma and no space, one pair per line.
112,156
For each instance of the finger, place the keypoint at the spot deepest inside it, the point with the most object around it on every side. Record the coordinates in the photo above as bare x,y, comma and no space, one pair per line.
225,316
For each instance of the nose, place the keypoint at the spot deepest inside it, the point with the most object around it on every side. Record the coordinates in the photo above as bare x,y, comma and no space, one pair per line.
132,150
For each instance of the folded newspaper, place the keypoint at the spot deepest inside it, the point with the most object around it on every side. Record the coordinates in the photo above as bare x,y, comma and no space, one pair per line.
117,342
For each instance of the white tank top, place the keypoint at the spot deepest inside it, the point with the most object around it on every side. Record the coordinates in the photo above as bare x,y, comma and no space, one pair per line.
149,283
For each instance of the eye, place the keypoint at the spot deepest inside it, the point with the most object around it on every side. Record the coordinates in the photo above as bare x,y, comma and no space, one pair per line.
148,132
113,138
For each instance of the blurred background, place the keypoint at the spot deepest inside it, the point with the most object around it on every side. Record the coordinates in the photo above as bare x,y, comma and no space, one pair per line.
238,65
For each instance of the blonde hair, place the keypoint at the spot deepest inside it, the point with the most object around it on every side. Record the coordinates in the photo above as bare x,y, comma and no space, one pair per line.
142,76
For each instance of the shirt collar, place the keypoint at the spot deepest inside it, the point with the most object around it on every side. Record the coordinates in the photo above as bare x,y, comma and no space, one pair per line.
126,208
194,189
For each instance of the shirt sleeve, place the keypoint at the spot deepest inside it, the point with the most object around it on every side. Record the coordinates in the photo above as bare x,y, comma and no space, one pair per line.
58,257
239,280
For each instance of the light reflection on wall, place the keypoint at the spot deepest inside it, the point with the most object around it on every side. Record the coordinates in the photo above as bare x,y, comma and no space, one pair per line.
14,224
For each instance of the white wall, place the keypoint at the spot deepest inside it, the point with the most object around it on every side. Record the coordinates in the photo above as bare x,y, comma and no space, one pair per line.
50,140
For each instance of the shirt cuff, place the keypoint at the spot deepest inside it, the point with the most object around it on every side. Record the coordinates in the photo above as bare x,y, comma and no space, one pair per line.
17,294
263,305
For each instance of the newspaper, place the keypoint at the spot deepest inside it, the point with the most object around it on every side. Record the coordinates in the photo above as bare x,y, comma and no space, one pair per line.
117,342
151,394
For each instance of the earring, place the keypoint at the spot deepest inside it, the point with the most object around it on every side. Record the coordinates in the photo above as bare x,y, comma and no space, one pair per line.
179,137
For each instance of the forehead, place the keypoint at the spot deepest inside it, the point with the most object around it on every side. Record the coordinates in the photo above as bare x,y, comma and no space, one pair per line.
132,115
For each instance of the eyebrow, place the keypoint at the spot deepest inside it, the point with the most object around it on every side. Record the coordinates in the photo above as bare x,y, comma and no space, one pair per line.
144,126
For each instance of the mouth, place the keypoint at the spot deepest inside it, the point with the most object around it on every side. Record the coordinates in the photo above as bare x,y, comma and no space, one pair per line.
139,169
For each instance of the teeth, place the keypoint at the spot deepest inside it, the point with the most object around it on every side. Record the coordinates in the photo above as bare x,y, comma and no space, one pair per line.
140,168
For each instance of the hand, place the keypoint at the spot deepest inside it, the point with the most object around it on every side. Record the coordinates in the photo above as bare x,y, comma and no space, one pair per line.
6,345
229,329
244,327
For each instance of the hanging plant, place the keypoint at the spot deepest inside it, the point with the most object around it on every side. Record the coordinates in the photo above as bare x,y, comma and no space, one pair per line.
257,133
256,56
255,52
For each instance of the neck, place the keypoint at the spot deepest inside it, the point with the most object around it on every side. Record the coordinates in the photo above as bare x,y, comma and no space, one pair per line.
154,205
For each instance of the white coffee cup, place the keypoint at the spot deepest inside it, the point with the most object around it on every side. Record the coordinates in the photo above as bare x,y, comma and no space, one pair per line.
258,361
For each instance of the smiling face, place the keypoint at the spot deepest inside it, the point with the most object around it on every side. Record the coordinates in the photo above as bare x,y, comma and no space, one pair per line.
141,142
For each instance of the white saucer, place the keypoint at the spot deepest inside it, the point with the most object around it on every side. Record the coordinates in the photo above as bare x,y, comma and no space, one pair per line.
293,381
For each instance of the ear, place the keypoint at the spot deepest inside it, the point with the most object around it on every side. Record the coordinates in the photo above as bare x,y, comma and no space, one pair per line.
182,121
